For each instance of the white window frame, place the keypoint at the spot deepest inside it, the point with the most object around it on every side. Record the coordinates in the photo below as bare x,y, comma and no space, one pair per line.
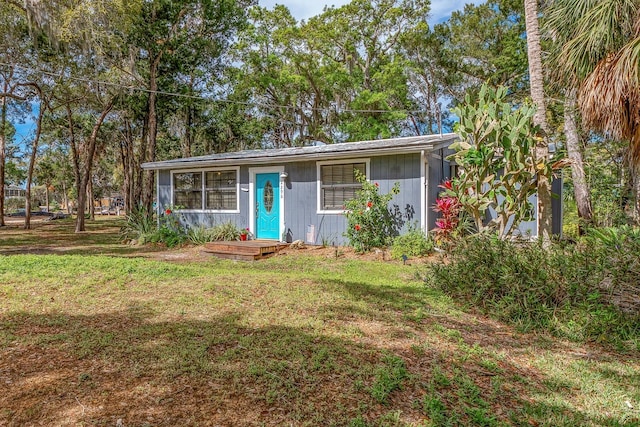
319,209
236,169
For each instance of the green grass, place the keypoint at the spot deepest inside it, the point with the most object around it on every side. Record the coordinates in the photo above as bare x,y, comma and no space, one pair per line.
92,335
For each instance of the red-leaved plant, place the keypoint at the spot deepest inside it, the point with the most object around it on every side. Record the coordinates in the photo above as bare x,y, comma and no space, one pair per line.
449,207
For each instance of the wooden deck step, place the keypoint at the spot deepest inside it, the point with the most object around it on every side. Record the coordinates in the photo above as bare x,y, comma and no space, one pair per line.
244,250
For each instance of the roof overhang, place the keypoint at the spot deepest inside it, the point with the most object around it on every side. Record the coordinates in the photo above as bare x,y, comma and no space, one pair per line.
327,152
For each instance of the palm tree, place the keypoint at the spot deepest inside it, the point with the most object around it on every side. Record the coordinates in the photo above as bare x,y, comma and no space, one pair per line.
537,95
600,53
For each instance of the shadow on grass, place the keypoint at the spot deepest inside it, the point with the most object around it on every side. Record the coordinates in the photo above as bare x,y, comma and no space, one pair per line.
59,238
95,369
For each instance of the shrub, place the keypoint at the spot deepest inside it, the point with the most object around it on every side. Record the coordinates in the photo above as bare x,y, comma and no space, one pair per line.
496,151
449,208
224,231
139,224
558,289
199,235
412,243
370,222
170,230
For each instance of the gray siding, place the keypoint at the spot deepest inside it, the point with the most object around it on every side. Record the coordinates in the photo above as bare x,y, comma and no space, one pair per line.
300,198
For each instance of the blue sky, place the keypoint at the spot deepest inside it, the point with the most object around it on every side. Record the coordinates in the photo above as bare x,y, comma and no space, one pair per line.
304,9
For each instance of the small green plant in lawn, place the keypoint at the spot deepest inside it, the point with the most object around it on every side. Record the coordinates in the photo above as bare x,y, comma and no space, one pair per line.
412,243
389,378
370,223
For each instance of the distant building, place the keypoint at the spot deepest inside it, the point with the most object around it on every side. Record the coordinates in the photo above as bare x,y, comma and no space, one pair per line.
11,192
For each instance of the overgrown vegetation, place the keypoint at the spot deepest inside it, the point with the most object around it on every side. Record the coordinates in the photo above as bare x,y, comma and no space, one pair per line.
169,229
496,152
570,290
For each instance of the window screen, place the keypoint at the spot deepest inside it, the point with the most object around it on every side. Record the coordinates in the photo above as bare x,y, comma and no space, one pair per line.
338,184
187,190
221,190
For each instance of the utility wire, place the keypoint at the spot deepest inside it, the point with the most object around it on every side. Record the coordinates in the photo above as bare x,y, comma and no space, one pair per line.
196,97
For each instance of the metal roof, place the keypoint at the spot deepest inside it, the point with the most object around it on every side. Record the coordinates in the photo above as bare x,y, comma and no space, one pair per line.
378,147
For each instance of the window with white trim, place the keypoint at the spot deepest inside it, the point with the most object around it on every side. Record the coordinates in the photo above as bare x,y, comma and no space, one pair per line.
221,190
187,190
338,184
215,190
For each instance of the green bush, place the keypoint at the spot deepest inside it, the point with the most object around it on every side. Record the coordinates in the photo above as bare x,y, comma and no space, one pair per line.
224,231
413,243
138,224
199,235
170,230
558,289
370,222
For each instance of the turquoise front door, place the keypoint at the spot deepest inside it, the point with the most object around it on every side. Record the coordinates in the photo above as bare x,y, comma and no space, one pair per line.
268,206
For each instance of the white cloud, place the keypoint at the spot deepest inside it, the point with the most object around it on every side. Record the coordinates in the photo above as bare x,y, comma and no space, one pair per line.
305,9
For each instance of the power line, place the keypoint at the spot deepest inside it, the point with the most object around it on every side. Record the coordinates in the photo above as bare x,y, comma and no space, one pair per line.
196,97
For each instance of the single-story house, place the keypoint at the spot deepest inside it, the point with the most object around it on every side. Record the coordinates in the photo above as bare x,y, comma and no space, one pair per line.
296,193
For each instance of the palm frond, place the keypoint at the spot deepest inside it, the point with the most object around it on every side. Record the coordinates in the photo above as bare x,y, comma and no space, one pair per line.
604,28
610,96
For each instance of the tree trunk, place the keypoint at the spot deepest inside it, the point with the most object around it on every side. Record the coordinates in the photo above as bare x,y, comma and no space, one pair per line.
88,164
150,155
32,162
581,191
65,198
46,196
3,152
92,203
536,81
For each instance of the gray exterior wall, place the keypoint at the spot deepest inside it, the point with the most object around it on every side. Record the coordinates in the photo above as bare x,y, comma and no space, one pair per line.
300,198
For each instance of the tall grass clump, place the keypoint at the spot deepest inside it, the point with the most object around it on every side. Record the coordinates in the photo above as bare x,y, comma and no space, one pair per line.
224,231
138,223
570,290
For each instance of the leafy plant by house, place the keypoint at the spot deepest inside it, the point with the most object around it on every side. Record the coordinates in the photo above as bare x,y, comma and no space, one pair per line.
170,230
225,231
138,224
448,206
496,152
412,243
370,223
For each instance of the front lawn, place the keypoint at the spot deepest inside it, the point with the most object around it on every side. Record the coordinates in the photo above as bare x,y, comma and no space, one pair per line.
97,333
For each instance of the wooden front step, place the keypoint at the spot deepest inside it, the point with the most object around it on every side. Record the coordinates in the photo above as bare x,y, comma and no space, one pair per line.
243,250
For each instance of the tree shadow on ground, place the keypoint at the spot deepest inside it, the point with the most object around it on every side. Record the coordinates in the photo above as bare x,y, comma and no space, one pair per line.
129,365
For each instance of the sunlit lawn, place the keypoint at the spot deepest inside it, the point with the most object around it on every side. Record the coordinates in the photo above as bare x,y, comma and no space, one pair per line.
92,332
